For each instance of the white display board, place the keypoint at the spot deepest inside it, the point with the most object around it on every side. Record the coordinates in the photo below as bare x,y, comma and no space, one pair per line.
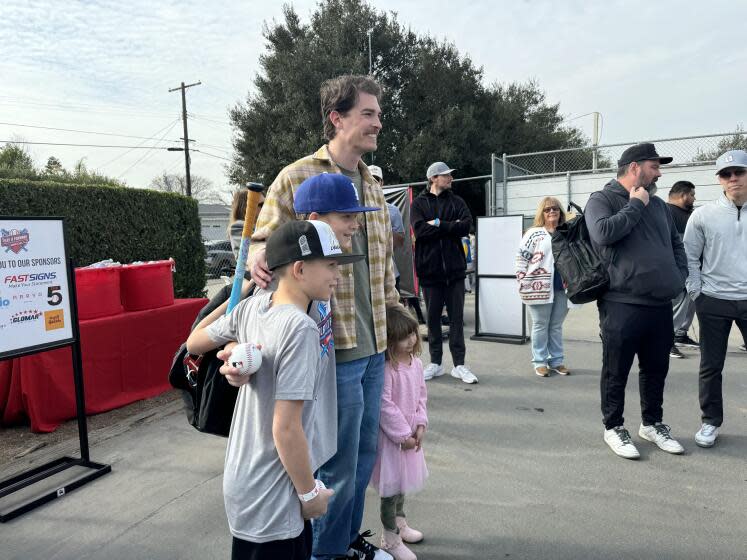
34,292
499,309
497,243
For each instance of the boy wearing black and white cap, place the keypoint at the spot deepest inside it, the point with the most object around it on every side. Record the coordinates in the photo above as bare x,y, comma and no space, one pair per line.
268,483
440,220
716,246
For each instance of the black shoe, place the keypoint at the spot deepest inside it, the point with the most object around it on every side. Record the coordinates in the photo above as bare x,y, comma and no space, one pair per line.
363,550
675,353
686,341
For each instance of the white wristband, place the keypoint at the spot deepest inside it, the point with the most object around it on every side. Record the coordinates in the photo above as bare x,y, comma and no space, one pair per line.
319,485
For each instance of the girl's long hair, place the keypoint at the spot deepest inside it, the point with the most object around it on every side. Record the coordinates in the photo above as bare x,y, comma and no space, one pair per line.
399,325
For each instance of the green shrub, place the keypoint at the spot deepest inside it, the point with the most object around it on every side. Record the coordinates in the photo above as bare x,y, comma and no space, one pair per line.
124,224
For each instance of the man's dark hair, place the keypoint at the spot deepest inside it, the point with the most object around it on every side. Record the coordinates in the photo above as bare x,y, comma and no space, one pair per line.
680,188
622,170
341,94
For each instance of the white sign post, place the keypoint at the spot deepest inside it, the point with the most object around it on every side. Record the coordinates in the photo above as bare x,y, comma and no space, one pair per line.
38,312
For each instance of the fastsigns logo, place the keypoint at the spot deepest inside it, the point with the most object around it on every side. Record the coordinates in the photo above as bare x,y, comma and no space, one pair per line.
27,316
37,277
14,240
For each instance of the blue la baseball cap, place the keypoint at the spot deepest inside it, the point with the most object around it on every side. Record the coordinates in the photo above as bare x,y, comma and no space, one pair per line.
328,192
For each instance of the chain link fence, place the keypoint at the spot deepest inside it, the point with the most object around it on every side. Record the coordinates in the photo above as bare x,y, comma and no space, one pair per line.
220,263
687,150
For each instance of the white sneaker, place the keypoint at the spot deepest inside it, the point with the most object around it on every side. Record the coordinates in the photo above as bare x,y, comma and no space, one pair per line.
618,438
433,370
463,373
706,435
660,434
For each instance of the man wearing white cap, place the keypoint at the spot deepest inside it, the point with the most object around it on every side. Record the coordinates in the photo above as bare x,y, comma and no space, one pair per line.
440,220
716,247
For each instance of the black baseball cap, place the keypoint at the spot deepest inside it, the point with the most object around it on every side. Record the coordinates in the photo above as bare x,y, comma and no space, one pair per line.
642,152
305,240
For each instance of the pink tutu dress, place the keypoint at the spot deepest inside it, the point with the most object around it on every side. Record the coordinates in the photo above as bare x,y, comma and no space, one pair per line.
403,408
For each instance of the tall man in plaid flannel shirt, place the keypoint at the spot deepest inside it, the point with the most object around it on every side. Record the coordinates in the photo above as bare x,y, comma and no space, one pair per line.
351,114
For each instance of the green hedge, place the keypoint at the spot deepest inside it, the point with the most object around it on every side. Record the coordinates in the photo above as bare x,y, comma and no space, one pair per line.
124,224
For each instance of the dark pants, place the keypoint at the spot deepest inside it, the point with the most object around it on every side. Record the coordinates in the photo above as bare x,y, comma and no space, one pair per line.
298,548
628,330
715,317
451,295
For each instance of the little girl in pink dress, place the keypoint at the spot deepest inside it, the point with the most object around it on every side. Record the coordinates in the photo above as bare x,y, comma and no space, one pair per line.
400,465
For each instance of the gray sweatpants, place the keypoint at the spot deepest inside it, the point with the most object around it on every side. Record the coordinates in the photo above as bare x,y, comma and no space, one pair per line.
684,311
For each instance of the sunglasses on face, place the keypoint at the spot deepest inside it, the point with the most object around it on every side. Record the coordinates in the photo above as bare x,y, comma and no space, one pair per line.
551,209
727,173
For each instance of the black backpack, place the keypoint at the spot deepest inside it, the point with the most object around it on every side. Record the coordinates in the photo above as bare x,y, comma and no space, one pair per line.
208,398
577,261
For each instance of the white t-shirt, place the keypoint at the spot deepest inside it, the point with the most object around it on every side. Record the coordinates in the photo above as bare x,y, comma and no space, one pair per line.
260,500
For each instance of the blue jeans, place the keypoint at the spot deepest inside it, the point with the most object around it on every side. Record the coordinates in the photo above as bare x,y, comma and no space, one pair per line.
547,330
359,386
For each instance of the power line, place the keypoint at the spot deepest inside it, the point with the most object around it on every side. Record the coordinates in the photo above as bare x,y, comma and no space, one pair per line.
145,155
159,131
83,131
82,108
76,145
211,155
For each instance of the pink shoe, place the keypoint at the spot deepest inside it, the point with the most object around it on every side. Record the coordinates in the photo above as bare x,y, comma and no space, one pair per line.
392,543
407,533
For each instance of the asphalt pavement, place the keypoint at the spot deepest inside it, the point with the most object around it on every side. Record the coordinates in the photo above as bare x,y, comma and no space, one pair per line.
518,470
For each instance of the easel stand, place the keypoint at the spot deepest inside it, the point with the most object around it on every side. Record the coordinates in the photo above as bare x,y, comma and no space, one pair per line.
25,501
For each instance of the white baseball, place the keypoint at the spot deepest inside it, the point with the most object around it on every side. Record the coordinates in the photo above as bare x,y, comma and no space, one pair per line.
246,358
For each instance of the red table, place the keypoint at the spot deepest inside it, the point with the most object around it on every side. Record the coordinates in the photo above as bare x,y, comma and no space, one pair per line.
126,358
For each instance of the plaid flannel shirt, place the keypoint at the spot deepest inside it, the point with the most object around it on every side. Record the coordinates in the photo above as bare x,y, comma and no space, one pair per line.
278,209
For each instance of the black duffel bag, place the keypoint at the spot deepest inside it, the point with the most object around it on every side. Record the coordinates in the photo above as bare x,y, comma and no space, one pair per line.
577,261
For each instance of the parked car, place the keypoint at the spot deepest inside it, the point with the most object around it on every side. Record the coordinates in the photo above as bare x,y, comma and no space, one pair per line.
219,259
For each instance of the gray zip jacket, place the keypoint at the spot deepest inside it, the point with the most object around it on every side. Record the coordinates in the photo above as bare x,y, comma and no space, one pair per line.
717,233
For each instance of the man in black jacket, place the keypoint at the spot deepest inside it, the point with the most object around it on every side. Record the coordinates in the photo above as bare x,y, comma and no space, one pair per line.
680,203
634,232
440,220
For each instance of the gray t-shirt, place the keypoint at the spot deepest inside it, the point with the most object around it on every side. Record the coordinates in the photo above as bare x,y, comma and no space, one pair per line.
260,500
365,342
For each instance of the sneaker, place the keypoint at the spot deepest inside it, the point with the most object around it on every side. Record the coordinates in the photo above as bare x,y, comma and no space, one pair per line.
364,550
706,435
675,353
618,438
542,371
660,434
561,370
433,370
685,341
743,348
463,373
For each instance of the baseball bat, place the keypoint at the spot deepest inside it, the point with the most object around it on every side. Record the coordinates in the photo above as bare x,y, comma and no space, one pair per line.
250,220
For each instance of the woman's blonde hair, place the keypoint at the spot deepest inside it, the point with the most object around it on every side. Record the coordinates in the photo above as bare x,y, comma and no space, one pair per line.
399,325
539,217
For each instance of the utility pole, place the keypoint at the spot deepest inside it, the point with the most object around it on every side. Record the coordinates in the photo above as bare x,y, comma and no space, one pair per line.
595,141
186,135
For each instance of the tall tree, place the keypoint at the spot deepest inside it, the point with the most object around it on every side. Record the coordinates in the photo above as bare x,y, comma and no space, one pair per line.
435,106
15,161
54,167
203,190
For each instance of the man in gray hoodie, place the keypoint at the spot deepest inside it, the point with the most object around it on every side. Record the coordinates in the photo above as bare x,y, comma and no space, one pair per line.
716,246
635,234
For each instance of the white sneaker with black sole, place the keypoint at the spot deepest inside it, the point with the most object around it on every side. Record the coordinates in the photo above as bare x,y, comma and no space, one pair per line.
433,370
618,438
706,435
660,434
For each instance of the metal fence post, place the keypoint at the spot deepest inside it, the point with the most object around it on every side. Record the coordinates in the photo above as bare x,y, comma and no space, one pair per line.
505,184
490,205
568,186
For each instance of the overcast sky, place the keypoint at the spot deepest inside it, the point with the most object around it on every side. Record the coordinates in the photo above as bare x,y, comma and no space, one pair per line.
652,69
